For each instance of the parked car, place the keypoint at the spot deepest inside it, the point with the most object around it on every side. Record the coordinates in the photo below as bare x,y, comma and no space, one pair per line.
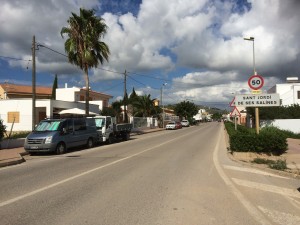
178,125
171,125
58,135
185,123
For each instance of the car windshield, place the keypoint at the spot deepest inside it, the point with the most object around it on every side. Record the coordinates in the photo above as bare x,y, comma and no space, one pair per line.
48,126
171,123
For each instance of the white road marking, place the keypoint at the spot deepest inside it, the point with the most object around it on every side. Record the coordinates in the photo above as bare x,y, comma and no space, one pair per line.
281,217
254,212
268,188
251,170
10,201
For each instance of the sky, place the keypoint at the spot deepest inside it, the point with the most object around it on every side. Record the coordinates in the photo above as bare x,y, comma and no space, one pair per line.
177,50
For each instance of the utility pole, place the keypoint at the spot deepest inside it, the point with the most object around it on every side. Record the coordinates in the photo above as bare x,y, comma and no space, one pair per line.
33,83
125,99
254,73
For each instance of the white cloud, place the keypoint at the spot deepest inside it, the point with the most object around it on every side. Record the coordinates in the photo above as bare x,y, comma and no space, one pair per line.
201,35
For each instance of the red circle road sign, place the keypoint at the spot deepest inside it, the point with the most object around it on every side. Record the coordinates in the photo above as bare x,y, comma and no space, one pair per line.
256,82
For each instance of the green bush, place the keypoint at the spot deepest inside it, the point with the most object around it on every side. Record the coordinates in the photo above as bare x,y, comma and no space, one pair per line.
2,130
270,140
277,165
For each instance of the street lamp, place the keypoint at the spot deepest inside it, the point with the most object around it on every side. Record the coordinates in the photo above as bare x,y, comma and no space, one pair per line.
252,39
161,100
254,71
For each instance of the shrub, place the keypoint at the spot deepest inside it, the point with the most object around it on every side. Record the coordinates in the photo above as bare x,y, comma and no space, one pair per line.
2,130
277,165
270,139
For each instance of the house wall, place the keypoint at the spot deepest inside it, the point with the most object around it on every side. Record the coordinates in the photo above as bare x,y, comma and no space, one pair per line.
68,94
288,93
283,124
44,109
24,107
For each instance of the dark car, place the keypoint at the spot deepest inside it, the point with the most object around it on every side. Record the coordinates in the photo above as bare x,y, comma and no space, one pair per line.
178,125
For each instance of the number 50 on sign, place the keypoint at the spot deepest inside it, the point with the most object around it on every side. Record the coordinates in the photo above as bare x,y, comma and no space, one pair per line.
256,82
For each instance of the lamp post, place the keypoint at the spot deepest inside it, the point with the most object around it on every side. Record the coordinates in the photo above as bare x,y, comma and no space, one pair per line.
161,100
254,72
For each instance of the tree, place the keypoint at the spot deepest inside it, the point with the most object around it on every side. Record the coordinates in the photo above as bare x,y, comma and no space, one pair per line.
277,112
117,109
54,86
132,99
186,109
83,45
144,106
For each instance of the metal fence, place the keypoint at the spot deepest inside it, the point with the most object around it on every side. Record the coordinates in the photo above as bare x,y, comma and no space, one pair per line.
143,122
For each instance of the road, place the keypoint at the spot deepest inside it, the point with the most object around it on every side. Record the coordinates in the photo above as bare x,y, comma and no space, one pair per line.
180,177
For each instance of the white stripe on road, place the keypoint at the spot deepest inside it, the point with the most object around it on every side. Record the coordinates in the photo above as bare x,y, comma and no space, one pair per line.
253,211
269,188
88,172
251,170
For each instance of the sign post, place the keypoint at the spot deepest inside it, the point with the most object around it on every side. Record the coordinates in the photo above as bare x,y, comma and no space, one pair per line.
235,112
256,82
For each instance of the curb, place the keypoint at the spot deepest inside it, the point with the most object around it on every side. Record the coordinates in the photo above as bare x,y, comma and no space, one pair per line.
14,162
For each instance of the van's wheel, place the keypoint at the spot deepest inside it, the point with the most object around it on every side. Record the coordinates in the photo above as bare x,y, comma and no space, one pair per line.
90,143
60,148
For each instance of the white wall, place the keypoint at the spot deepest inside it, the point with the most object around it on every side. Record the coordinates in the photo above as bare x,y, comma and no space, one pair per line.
288,93
284,124
23,106
67,94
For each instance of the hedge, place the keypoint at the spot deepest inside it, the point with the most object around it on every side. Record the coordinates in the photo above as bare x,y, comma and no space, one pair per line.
269,140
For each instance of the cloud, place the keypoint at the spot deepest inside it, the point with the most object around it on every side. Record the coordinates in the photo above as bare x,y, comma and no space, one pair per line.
204,37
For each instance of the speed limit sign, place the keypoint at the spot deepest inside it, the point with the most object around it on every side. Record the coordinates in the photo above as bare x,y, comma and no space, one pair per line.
256,82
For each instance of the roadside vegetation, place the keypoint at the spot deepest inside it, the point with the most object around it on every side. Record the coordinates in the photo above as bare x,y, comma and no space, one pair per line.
2,130
273,164
270,140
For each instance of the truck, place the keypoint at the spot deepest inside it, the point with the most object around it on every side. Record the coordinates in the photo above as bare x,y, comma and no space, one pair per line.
109,131
58,135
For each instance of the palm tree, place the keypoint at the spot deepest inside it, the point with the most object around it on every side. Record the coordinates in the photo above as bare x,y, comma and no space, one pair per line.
83,45
144,105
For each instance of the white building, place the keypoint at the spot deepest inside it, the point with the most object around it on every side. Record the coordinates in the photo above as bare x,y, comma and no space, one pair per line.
289,92
200,116
16,106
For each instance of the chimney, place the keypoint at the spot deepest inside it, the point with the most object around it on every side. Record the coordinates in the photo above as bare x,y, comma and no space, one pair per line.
66,85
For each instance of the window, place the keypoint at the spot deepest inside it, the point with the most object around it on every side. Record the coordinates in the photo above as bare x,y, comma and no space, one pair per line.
13,117
79,124
298,94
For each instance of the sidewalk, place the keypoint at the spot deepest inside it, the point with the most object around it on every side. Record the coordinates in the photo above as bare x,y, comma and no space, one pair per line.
13,156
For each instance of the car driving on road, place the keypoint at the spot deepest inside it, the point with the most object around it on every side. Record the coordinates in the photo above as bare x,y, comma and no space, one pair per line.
185,123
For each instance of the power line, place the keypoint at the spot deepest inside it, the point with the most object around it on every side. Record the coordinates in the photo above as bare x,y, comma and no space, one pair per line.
137,81
40,45
12,58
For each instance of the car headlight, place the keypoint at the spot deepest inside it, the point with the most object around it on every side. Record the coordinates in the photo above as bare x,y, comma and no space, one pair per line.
48,140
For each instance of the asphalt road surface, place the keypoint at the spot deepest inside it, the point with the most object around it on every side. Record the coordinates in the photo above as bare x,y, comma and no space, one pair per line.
180,177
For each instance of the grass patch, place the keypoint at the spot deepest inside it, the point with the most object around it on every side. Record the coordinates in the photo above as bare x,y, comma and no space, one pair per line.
273,164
